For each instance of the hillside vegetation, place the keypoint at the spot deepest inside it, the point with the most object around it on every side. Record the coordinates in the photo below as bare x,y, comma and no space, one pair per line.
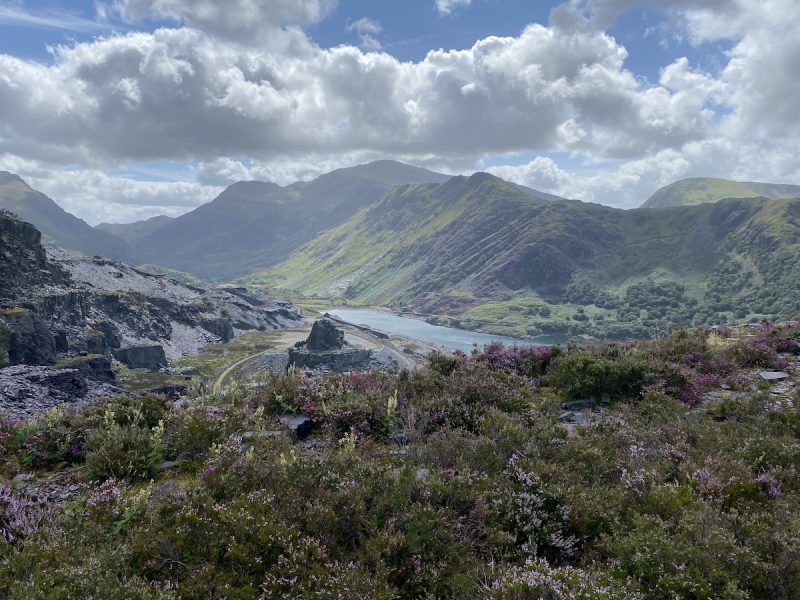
478,253
700,190
674,477
255,224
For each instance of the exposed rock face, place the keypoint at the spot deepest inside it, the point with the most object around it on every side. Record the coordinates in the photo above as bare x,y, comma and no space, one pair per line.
31,340
92,366
325,336
29,391
151,358
326,350
55,305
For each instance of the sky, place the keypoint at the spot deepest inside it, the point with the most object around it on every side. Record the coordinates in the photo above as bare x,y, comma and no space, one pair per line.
124,109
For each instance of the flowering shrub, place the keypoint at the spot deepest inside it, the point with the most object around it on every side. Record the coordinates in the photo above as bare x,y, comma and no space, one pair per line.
20,516
538,580
458,480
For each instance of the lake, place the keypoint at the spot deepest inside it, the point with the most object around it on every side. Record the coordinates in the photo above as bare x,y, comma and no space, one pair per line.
446,337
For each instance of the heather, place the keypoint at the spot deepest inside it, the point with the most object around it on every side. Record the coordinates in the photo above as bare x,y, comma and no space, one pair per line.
476,476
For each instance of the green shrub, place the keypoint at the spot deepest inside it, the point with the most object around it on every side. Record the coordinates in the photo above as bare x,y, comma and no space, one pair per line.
131,452
581,374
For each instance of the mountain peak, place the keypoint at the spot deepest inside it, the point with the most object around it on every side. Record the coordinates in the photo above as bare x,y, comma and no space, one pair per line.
704,190
248,190
6,177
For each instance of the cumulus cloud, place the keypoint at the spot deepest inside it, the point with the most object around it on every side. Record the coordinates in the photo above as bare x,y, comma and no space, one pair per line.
96,196
179,94
250,83
448,7
234,19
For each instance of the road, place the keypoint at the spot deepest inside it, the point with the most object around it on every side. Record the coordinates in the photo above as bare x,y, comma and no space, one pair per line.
386,348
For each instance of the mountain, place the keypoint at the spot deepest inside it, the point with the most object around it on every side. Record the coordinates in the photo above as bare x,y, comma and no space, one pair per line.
133,233
699,190
255,224
486,255
64,229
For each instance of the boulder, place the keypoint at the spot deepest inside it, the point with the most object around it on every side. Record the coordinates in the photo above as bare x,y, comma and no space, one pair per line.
326,350
152,358
300,425
31,342
222,328
574,405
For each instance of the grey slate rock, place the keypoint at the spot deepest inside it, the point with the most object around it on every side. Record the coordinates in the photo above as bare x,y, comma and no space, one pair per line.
152,358
300,425
325,336
401,439
579,404
773,375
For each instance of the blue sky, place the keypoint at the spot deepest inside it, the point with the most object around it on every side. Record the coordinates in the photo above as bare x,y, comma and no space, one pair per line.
127,108
409,29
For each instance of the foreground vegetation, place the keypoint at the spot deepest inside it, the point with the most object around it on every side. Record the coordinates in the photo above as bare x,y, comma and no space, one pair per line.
461,480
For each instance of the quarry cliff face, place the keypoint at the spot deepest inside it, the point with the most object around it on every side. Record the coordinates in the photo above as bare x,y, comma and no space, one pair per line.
55,305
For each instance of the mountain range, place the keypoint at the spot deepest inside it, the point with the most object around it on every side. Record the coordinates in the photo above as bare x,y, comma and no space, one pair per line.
476,251
489,256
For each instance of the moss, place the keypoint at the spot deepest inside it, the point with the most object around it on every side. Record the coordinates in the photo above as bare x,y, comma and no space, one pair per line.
77,361
16,311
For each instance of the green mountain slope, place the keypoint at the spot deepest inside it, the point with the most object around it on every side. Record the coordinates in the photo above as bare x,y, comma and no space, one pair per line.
483,254
63,228
133,233
252,225
700,190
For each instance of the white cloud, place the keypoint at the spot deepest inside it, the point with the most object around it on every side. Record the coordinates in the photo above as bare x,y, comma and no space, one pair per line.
364,25
96,196
250,84
178,94
17,16
448,7
234,19
366,29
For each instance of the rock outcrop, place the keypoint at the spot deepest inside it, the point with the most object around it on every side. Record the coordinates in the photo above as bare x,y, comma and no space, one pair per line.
55,305
151,358
325,336
27,391
326,350
65,318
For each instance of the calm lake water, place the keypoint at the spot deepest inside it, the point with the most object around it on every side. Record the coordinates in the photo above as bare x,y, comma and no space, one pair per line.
446,337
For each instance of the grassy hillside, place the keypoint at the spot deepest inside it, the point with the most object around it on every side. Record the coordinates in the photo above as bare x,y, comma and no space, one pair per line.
700,190
252,225
478,253
63,228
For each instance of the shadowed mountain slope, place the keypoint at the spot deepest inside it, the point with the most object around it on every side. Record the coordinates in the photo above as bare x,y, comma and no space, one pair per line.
64,229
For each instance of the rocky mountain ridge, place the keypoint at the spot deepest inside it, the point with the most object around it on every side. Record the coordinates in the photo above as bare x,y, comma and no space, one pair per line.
476,252
59,308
